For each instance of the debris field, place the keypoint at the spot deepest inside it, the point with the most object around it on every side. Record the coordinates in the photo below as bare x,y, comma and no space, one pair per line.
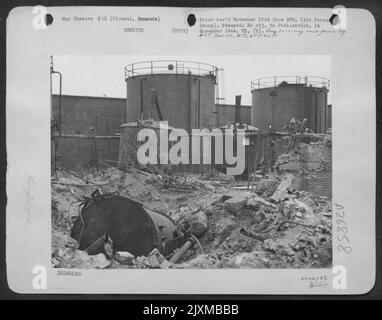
275,226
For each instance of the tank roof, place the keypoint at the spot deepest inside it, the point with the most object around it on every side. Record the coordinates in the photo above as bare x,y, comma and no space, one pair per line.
169,67
283,81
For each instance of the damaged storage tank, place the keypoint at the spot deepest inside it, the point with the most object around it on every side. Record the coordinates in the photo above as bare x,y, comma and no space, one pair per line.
131,227
183,91
276,100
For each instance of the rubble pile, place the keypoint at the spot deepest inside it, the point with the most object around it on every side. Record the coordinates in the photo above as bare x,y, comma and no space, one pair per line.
273,227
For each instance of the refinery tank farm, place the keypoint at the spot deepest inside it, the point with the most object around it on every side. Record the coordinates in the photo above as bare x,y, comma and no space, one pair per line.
112,210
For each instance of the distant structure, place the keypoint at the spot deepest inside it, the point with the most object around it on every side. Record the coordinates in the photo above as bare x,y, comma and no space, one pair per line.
79,113
184,93
106,114
276,100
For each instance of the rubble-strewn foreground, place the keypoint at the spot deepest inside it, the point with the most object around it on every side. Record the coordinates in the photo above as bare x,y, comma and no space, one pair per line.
273,227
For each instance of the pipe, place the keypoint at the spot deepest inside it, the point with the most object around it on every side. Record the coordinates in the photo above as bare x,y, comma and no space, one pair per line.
198,104
257,150
326,113
55,141
182,250
188,102
50,86
142,106
237,109
273,111
316,111
59,101
217,98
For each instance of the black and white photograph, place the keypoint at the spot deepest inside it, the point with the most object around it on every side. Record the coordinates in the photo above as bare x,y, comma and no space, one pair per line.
111,211
191,151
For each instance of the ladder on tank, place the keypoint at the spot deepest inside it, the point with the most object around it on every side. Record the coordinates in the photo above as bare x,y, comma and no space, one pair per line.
218,99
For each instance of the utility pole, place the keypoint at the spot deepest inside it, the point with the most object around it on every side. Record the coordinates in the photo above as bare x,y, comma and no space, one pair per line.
237,109
52,71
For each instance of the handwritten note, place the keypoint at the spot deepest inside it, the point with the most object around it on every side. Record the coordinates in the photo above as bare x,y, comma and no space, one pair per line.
264,27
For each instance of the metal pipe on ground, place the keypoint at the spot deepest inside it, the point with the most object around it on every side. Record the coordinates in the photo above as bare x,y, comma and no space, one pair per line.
257,150
182,250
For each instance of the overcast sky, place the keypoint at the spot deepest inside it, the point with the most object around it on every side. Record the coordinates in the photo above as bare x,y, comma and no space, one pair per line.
104,75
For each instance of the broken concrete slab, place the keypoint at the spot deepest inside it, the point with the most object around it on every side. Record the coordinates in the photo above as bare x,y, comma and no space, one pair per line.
141,262
281,192
221,199
236,203
224,226
124,257
249,260
55,263
257,203
303,206
165,264
153,261
266,187
196,223
80,260
200,261
278,246
302,211
270,245
100,261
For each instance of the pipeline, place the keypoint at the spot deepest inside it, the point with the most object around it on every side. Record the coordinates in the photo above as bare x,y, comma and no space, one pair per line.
182,250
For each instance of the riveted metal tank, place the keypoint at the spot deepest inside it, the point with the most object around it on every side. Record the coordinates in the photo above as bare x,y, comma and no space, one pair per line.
127,223
185,93
276,100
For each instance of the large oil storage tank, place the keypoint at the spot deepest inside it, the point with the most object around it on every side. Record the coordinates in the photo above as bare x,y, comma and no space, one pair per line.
184,91
276,100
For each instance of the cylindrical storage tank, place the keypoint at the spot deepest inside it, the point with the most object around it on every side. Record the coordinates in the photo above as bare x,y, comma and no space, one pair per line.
276,100
129,225
128,144
183,91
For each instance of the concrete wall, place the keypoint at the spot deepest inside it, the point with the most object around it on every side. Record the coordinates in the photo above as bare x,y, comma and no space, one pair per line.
291,101
320,182
78,113
81,151
227,113
107,114
129,146
311,165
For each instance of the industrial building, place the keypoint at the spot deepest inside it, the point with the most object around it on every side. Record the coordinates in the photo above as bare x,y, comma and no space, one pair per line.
186,94
129,215
106,114
79,149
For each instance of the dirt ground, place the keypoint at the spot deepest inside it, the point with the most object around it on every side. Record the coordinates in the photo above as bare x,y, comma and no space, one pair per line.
245,229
